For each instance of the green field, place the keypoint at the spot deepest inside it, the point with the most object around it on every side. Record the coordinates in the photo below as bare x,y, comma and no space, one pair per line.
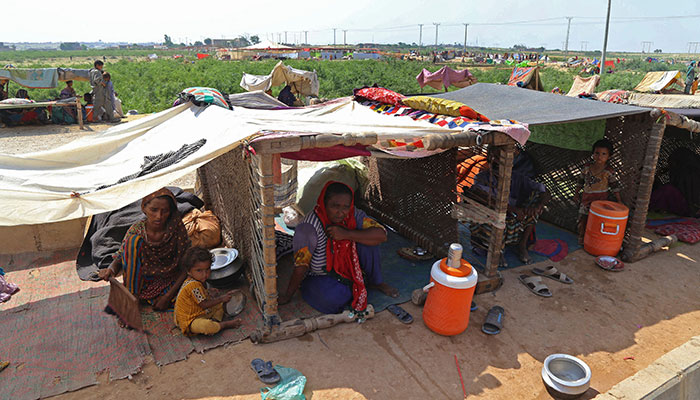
150,86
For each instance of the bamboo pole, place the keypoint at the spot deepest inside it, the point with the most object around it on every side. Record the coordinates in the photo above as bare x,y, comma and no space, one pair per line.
299,327
464,139
266,166
677,120
291,144
646,181
79,109
505,167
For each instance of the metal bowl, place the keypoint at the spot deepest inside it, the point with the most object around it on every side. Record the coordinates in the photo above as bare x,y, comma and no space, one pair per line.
565,376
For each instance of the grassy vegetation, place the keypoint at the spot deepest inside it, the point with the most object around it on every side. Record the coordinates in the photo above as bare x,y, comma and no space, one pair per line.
150,86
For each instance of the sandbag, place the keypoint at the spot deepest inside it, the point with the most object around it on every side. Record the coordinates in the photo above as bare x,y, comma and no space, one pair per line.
203,228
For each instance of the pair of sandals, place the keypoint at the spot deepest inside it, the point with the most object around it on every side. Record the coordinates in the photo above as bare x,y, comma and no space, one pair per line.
266,373
535,285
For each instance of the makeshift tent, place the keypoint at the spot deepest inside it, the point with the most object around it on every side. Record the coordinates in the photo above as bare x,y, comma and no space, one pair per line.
444,78
267,44
526,77
583,85
255,99
107,170
42,78
661,81
302,82
562,131
411,169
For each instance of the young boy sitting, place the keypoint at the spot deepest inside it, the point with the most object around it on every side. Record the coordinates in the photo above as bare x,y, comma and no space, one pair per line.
195,312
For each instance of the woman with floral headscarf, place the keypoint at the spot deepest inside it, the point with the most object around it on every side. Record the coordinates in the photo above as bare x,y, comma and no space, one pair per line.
151,250
336,254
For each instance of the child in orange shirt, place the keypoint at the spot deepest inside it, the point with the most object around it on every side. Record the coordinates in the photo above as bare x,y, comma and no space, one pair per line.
597,181
196,313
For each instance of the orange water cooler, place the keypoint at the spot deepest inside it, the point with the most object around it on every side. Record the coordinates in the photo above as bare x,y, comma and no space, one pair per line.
450,293
605,228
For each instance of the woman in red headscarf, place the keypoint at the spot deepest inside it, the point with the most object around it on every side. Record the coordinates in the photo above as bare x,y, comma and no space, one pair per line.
336,254
151,250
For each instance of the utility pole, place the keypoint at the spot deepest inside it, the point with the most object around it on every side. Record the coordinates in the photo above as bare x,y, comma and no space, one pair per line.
345,41
465,37
437,24
694,46
584,45
420,35
306,37
568,29
646,45
279,37
605,43
334,36
285,37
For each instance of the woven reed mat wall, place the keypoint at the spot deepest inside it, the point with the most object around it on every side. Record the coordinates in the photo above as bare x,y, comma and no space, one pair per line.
224,185
674,138
559,169
415,197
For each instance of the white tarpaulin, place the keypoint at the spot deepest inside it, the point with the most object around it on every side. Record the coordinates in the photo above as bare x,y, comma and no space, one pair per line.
62,183
302,82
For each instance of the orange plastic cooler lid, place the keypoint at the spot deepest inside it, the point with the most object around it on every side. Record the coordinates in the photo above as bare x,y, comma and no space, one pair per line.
607,208
464,269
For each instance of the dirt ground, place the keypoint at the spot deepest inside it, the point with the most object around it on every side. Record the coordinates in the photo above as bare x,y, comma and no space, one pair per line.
603,318
618,323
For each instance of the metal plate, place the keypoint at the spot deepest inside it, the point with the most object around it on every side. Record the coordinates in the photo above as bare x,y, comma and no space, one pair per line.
223,257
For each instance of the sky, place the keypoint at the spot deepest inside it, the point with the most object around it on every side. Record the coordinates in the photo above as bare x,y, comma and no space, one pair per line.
499,23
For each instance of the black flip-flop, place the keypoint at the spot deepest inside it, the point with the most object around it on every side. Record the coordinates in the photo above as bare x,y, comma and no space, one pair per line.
494,321
265,372
401,314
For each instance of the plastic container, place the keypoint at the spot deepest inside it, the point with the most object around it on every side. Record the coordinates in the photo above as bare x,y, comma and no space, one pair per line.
605,228
450,293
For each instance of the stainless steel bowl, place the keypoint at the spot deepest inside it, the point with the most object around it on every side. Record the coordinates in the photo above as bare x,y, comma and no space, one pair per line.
565,376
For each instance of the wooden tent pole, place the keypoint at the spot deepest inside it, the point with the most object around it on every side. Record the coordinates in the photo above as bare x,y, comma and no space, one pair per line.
505,167
677,120
646,181
79,109
268,235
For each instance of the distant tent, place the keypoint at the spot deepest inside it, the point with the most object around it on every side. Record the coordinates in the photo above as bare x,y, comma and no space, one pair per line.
526,77
42,78
267,44
583,85
661,81
302,82
444,78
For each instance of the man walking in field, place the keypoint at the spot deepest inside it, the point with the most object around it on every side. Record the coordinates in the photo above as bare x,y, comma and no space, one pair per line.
99,94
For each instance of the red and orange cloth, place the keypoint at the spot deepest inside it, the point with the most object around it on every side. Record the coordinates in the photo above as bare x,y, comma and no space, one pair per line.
341,255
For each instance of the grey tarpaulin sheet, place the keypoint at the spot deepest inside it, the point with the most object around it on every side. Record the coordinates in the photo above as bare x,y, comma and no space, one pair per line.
533,107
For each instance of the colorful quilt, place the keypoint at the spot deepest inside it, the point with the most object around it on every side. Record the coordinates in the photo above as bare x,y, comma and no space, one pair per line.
205,95
686,230
517,130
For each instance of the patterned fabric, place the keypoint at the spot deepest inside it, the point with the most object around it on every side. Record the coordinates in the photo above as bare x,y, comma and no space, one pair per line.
204,95
443,106
310,240
687,231
517,130
148,265
379,94
187,307
600,182
341,256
